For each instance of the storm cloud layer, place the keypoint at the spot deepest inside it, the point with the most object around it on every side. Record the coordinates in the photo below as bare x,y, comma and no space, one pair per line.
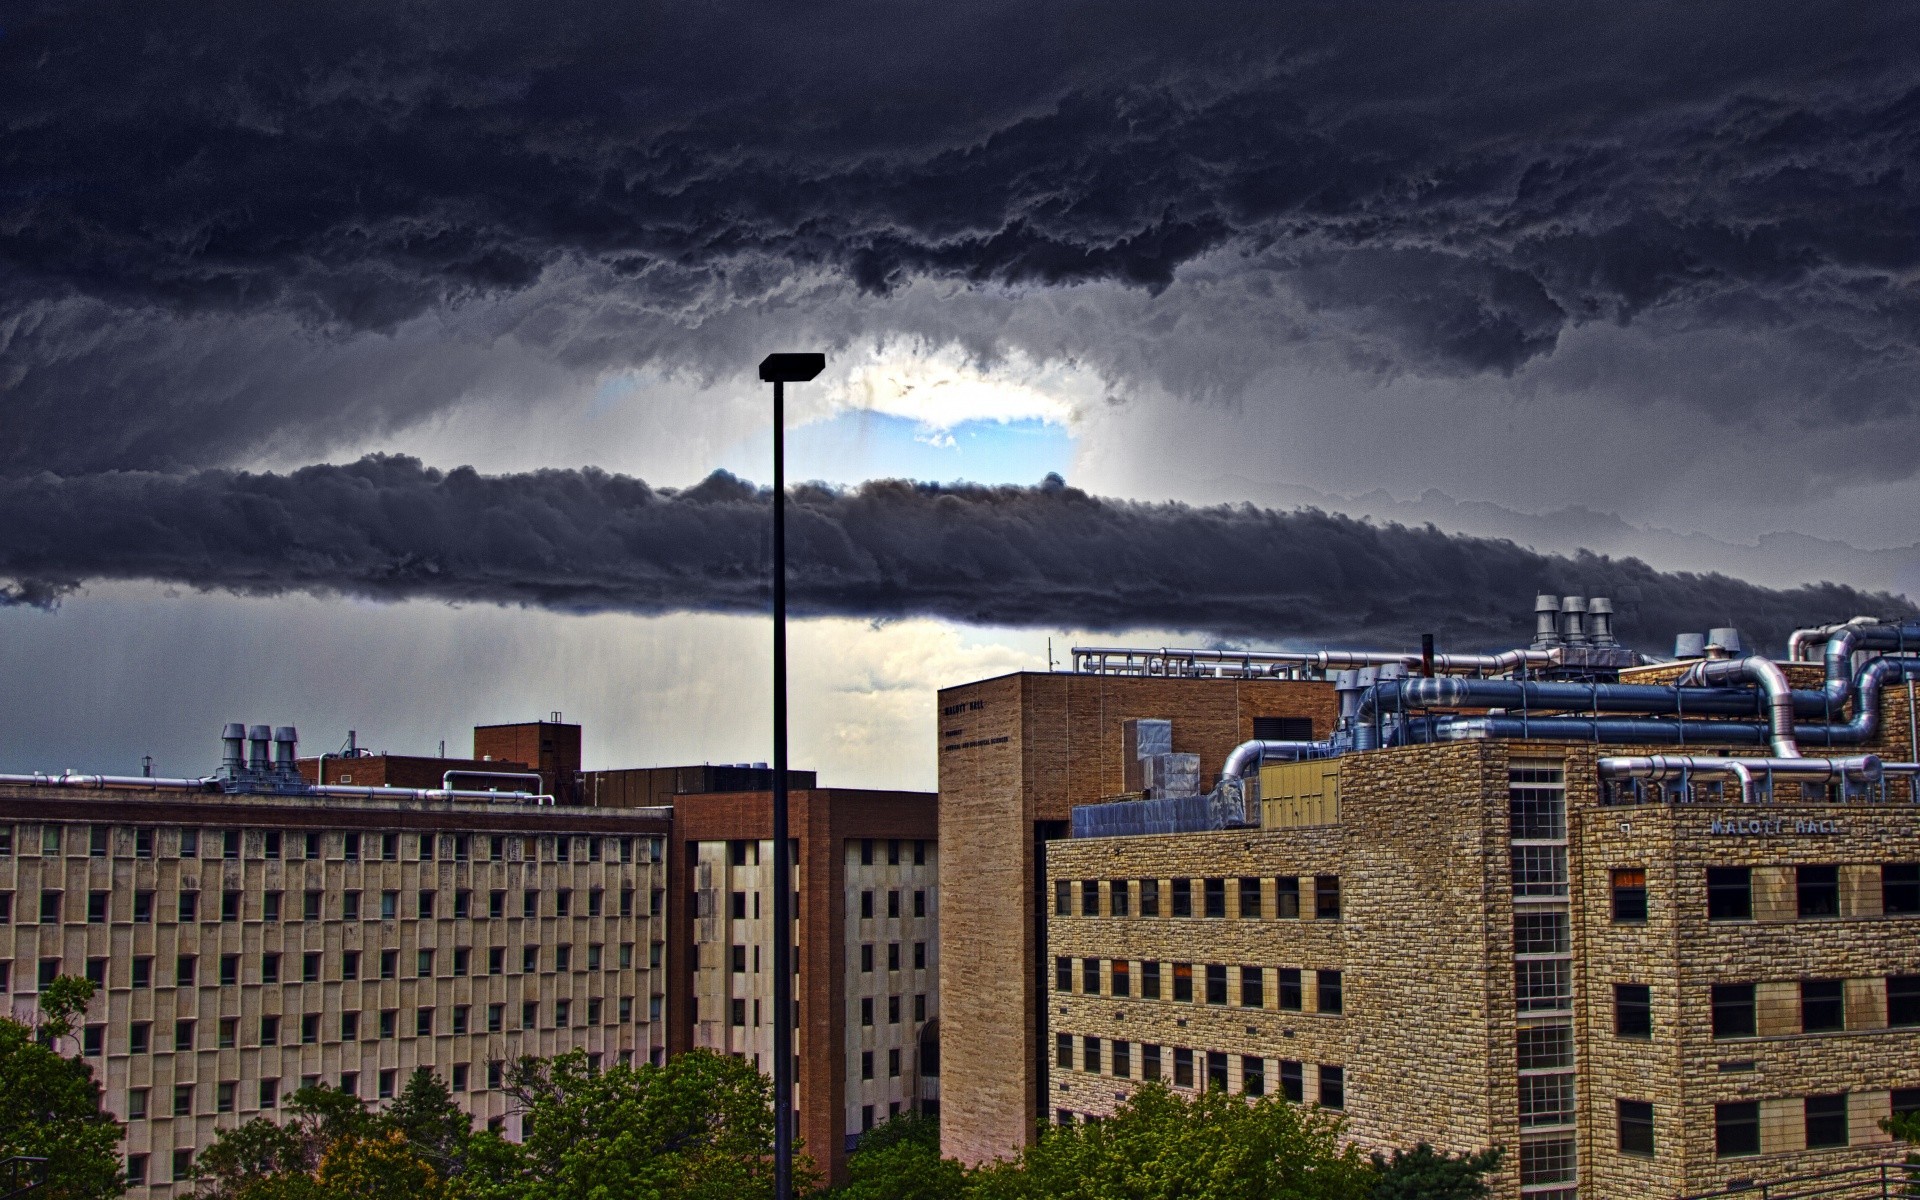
1048,555
221,228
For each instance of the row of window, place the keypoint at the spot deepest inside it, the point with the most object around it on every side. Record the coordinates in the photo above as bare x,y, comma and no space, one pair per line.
277,968
893,903
186,1035
867,957
1823,1006
1114,1057
141,842
1118,974
1322,898
1816,891
274,906
893,846
1736,1124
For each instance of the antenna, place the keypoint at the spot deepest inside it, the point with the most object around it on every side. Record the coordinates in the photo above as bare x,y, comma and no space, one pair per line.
1049,654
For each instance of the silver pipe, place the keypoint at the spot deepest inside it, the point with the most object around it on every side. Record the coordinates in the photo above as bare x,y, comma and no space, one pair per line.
1156,661
1249,755
1863,768
1772,682
1800,639
136,783
446,781
344,791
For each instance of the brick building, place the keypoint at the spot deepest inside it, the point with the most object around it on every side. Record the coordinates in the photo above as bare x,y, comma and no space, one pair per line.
1641,975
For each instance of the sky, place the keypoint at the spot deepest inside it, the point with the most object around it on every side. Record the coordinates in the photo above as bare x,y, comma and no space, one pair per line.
391,368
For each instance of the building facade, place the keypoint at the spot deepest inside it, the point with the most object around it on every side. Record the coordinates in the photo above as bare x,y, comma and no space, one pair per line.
247,945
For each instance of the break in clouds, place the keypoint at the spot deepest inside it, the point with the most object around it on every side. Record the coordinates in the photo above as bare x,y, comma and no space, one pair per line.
1050,555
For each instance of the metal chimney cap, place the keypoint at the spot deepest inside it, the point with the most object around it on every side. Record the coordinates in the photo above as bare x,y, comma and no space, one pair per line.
1724,638
1690,645
285,733
1574,604
234,731
1545,603
1600,604
260,733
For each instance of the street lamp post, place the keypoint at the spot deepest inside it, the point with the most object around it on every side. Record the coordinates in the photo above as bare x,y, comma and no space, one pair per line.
780,370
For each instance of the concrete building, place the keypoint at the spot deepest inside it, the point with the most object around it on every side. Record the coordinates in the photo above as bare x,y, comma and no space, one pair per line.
248,944
1642,973
867,904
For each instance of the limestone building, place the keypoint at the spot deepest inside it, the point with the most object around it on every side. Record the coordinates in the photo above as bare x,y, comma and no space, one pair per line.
1642,967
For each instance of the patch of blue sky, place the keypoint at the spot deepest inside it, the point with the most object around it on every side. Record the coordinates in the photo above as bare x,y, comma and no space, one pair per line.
858,445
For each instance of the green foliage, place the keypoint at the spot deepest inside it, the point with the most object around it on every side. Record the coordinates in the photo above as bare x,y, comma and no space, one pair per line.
50,1105
1159,1146
698,1128
1424,1173
900,1160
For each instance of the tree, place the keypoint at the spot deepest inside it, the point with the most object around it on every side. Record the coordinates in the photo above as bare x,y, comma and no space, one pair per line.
900,1160
698,1128
1424,1173
265,1160
50,1105
1162,1147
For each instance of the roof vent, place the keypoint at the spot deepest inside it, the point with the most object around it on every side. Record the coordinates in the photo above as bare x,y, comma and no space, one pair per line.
1723,642
1690,645
1546,622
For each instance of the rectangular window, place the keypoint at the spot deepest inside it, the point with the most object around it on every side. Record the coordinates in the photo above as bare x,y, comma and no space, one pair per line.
389,964
182,1036
97,841
189,907
1182,1067
1291,994
1150,1062
1826,1121
423,1023
349,964
223,1098
1149,897
1733,1010
349,906
1547,1160
530,904
1546,1100
49,907
1253,1075
423,964
389,847
269,1031
1333,1087
1729,894
270,968
1540,933
1819,891
310,905
1119,899
230,844
1183,981
1286,895
1062,905
1119,978
1215,891
140,1037
229,1033
1090,976
1252,988
1250,898
1062,1055
1539,870
309,1029
271,843
1293,1081
1327,991
1326,897
1543,985
1089,897
389,905
1823,1005
1216,1071
1122,1060
1150,981
1903,1000
270,908
229,906
143,971
1183,897
1900,889
1090,1055
866,1010
183,970
229,970
1630,896
1536,804
1216,983
97,907
143,843
1633,1010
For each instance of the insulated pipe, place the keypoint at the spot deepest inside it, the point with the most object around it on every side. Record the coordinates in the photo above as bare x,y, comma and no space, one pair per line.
1247,756
1401,694
1617,730
135,783
446,781
1800,639
1864,768
1768,677
1096,658
345,792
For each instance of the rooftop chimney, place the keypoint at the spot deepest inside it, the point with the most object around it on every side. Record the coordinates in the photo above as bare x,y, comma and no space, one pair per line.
1546,622
1573,620
1600,623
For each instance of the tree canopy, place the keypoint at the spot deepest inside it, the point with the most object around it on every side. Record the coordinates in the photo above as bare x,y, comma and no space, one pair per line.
50,1104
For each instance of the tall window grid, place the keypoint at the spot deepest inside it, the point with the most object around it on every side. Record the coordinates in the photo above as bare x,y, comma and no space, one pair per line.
1543,978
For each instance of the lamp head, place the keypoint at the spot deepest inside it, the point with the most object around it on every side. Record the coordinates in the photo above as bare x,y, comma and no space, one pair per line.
791,368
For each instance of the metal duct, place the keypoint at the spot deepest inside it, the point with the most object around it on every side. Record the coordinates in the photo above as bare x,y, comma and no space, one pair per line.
1573,620
1615,730
385,793
135,783
1800,639
233,748
1762,673
446,781
285,739
1248,756
1864,768
259,738
1600,623
1546,622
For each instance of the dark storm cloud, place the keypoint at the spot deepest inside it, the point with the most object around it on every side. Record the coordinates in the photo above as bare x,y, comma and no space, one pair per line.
1049,555
1459,182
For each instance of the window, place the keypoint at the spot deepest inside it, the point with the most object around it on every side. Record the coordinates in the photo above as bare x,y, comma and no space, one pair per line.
1729,894
1826,1121
460,1077
426,899
423,964
389,847
1183,981
349,964
1327,987
269,1031
229,970
1733,1010
893,956
230,844
49,908
183,1100
740,906
1215,891
269,968
1900,888
182,1163
1150,980
1539,870
386,1082
529,960
1183,897
1090,976
1090,1055
496,1017
1293,1081
349,906
563,902
1119,979
1903,1000
423,1023
350,847
1286,896
142,971
189,907
496,905
530,904
1632,1010
1250,905
309,1029
143,908
1216,1071
1182,1067
1290,990
1823,1005
1090,898
1333,1087
1149,897
183,970
496,960
893,1010
6,908
389,905
1062,905
1326,897
313,845
1543,985
1630,897
310,905
1252,987
1906,1102
182,1036
389,964
310,967
919,956
920,902
1062,1055
462,962
1546,1100
866,1010
1253,1075
1216,984
137,1165
1819,891
223,1098
866,956
1540,933
97,907
1548,1160
1119,899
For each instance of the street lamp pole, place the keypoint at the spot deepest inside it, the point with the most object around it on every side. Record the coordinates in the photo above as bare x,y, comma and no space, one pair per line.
780,370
